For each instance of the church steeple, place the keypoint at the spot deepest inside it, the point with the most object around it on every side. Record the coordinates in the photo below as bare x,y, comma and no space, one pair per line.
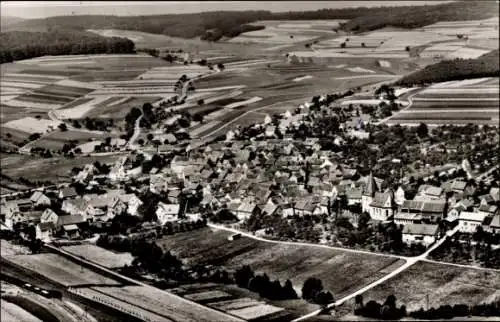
371,186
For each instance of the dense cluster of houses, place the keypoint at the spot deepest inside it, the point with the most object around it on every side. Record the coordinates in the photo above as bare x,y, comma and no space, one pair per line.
263,175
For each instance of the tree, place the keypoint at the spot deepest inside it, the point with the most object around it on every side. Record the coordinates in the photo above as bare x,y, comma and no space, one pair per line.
407,48
140,141
311,287
201,102
150,136
323,298
220,66
422,130
289,291
34,136
342,45
243,275
363,45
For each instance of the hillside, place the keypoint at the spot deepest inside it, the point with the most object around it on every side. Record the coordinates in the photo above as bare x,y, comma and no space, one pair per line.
6,21
17,45
485,66
419,16
215,25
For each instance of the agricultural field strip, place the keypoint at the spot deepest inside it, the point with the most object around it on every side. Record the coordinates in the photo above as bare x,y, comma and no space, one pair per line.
246,102
13,313
60,269
100,255
34,76
121,305
80,110
20,85
162,303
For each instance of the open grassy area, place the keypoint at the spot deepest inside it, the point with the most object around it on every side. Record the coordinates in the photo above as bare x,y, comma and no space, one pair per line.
443,284
57,169
60,270
293,262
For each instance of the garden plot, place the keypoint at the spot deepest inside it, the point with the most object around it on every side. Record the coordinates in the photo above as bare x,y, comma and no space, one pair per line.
100,255
293,262
118,108
60,270
32,125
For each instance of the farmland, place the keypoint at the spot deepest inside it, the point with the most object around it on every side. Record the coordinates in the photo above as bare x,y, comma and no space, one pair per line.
161,303
100,255
444,285
293,262
60,270
457,102
14,313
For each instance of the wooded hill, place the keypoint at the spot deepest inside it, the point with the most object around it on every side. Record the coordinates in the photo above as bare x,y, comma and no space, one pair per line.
215,25
447,70
17,45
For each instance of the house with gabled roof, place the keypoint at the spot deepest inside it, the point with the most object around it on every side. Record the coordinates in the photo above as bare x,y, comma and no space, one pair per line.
246,209
469,221
49,215
382,206
44,231
494,226
420,234
38,198
167,212
78,206
67,193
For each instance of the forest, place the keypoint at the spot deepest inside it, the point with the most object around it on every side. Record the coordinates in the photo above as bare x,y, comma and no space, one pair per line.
213,26
17,45
447,70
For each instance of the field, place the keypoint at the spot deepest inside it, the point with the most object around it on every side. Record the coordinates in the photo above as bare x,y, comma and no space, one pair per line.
444,285
161,303
293,262
457,102
57,169
14,313
100,255
60,270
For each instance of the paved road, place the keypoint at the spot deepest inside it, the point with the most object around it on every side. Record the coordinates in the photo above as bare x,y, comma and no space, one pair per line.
137,131
12,194
410,103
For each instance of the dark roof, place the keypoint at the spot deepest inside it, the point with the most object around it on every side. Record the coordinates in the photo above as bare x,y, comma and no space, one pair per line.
68,192
380,199
46,225
371,186
420,229
70,220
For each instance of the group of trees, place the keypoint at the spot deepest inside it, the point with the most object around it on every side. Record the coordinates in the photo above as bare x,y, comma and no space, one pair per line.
457,310
386,311
448,70
17,45
273,290
212,26
313,291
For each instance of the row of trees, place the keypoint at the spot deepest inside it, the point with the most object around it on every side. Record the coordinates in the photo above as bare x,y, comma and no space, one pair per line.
457,310
386,311
273,290
18,45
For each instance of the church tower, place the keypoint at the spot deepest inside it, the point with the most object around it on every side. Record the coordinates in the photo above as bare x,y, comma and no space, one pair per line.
368,194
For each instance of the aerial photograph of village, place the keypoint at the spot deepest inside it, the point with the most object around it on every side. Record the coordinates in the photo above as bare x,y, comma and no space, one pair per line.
261,161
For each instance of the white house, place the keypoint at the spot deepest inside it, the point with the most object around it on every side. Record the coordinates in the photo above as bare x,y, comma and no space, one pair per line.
67,192
167,213
78,207
44,231
39,199
382,206
469,221
245,210
13,218
399,196
420,234
133,203
49,216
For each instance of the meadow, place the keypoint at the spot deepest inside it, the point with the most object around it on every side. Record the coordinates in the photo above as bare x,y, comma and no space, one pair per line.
293,262
60,270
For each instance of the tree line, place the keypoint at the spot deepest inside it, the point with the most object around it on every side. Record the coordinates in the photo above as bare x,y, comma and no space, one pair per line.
215,25
448,70
18,45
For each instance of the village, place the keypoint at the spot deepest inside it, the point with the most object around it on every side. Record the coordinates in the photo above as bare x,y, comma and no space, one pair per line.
311,174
